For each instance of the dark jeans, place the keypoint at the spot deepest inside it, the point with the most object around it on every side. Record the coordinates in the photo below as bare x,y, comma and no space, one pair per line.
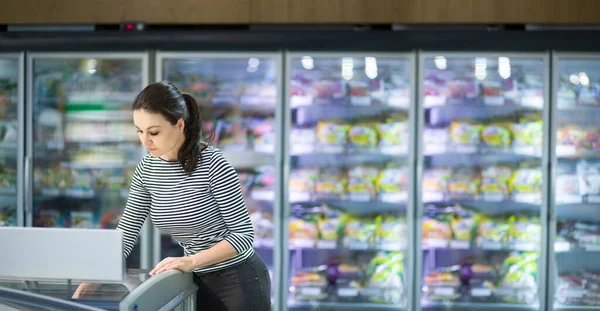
246,286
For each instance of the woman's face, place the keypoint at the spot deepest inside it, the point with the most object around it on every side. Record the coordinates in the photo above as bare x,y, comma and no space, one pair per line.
161,138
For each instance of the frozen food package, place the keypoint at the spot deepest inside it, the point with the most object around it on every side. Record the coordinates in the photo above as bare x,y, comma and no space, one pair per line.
436,179
331,183
496,135
303,179
332,133
361,183
465,132
464,182
588,173
363,136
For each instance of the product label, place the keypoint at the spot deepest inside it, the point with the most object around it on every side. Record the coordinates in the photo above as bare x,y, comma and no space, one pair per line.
310,291
481,292
326,244
347,292
457,244
397,197
444,291
360,100
303,243
394,150
298,101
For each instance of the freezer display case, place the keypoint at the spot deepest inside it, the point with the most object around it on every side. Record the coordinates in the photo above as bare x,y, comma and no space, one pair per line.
348,147
171,290
239,99
575,269
11,139
482,204
82,143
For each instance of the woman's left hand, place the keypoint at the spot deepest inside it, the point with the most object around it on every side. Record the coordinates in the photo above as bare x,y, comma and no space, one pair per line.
183,264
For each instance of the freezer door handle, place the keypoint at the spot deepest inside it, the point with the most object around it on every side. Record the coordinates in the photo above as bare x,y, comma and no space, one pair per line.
28,185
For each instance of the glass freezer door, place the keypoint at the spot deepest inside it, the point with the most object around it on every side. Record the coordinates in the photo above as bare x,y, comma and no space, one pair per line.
11,139
239,100
576,214
82,139
482,175
348,198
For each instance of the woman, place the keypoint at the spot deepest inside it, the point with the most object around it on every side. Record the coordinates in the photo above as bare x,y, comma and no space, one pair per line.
192,193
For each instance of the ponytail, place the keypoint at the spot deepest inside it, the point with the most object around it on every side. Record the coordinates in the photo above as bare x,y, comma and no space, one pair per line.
192,146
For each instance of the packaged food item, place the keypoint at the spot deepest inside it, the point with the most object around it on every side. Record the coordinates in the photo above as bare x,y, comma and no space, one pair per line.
8,216
493,233
464,224
392,184
303,180
529,131
332,133
589,95
309,285
391,231
436,140
496,135
462,89
262,223
81,179
386,278
464,182
465,132
442,285
303,229
393,133
331,224
588,173
331,183
303,140
363,136
232,134
436,179
526,180
495,182
493,93
571,135
262,134
82,219
329,88
360,232
520,274
434,229
525,230
265,178
361,183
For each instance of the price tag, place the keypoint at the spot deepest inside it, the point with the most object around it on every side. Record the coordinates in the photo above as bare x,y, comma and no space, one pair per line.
592,247
435,149
436,243
311,291
457,244
481,292
565,150
533,101
444,291
502,291
359,245
465,148
360,100
296,196
298,101
50,192
393,246
493,100
493,197
525,246
531,198
572,293
399,101
491,245
302,148
398,197
434,101
303,243
394,150
264,148
562,246
360,197
326,244
433,196
568,199
347,292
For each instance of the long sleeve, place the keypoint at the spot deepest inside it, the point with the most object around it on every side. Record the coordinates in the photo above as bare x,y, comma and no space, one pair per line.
136,210
226,190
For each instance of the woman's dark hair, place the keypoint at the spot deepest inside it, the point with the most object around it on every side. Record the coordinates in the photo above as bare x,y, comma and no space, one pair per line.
166,99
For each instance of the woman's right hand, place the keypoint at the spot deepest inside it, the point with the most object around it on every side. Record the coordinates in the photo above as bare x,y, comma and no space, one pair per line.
85,290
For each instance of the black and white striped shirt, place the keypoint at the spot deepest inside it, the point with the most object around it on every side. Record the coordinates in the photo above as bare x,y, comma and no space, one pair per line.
198,210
